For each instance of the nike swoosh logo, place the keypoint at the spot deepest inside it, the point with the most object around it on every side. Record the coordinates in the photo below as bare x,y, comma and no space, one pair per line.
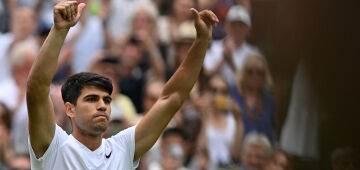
108,156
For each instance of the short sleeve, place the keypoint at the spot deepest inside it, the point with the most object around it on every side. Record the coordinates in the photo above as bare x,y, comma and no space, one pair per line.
48,159
126,138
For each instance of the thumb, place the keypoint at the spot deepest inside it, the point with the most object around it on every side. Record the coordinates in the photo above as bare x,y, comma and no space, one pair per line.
80,7
195,14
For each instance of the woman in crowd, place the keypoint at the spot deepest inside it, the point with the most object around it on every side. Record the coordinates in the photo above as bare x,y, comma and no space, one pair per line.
219,124
252,93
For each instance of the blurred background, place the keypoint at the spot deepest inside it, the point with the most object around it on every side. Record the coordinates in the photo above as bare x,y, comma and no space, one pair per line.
279,87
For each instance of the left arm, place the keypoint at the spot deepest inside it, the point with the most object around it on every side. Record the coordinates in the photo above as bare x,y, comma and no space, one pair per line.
177,88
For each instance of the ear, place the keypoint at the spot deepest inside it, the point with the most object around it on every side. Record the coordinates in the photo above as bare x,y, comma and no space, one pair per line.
70,109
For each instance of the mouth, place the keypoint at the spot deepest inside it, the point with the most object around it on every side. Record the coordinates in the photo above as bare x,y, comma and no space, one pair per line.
101,115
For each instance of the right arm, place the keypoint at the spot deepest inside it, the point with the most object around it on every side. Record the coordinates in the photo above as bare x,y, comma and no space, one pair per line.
40,108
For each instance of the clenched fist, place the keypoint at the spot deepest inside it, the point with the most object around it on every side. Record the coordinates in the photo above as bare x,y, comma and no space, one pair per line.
67,14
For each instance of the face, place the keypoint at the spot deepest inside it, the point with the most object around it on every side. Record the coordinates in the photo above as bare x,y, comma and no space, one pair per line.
278,161
152,94
21,72
238,31
172,152
254,76
254,157
25,23
142,20
220,92
92,111
181,8
131,55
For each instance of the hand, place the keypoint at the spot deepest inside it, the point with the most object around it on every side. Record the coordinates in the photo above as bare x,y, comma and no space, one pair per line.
204,23
67,14
229,47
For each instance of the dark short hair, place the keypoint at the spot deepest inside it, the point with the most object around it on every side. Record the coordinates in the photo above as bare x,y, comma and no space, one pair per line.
73,86
174,131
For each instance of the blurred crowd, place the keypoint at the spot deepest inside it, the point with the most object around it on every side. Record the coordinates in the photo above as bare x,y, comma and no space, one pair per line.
229,120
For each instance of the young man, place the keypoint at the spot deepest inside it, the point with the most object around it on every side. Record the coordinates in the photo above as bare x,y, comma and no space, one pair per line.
87,102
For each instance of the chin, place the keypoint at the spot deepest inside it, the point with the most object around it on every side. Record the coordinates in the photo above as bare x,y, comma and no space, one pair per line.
98,130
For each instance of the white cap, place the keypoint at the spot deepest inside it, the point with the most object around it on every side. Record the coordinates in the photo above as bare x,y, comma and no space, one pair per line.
239,13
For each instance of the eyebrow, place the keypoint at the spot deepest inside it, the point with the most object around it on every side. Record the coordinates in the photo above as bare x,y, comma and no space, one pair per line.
91,95
108,97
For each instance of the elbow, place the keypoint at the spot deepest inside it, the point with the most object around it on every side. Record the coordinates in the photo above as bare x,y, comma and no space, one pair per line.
35,89
174,101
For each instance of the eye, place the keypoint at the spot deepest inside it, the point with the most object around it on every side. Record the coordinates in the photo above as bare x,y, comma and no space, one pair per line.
91,99
107,100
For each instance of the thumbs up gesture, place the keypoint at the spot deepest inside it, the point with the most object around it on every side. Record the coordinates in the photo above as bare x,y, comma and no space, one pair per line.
67,14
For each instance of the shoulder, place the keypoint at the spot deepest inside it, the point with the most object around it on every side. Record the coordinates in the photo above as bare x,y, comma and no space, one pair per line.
123,138
268,96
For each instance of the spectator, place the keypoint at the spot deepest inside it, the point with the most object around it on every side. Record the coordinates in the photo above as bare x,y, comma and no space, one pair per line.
226,56
255,152
20,162
187,35
278,161
23,26
172,151
89,35
169,25
345,158
6,152
13,92
219,123
252,93
137,64
119,19
60,115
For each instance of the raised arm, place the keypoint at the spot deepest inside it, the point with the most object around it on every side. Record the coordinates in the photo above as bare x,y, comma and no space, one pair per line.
177,88
40,109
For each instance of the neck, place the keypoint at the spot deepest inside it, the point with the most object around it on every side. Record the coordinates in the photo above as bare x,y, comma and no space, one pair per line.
251,92
92,142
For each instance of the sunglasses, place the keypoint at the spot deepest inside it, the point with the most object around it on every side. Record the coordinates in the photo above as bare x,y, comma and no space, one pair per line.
217,90
254,71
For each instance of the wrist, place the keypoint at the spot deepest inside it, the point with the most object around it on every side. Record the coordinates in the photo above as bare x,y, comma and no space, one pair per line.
58,29
202,39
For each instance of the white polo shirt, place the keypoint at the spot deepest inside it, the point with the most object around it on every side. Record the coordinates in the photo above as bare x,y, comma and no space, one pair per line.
67,153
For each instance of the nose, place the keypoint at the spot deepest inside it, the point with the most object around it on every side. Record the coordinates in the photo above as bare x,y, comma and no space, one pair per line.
101,106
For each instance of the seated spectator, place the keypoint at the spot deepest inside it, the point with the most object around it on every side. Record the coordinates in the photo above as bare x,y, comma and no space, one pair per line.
172,151
252,93
278,161
169,24
187,35
219,123
6,152
23,24
136,68
345,159
256,150
20,162
22,55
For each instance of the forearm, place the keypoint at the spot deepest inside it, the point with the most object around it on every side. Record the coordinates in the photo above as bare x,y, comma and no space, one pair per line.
187,74
237,142
44,68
